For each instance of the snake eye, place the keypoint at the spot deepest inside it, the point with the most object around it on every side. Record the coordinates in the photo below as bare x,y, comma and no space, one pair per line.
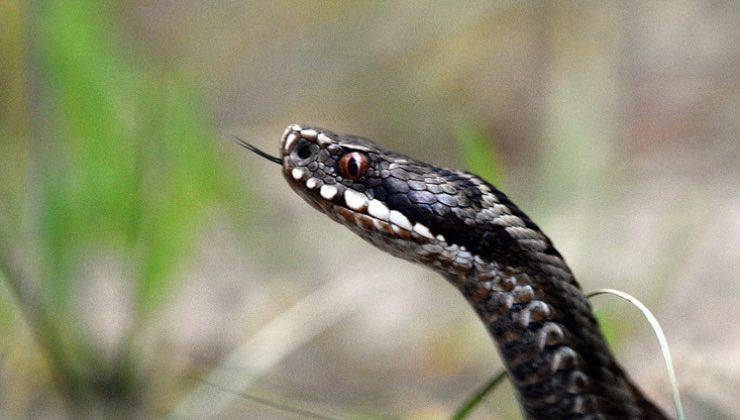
353,165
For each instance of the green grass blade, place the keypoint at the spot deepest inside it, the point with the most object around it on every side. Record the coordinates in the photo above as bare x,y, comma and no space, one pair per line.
131,163
467,408
606,325
478,155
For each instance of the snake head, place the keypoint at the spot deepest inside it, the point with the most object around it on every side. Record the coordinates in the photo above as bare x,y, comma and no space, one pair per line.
406,207
359,184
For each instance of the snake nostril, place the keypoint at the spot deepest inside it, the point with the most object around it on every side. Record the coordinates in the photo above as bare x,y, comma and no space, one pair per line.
304,151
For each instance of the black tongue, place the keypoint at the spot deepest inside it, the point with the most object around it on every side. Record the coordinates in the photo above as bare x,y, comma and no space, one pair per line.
251,148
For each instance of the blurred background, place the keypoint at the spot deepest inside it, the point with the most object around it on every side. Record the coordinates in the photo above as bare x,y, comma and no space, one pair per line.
149,267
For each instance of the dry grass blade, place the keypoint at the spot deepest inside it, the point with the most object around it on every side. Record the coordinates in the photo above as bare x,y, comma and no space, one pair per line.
467,408
302,412
276,340
662,342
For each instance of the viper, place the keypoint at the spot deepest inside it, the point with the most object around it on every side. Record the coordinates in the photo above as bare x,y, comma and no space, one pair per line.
462,227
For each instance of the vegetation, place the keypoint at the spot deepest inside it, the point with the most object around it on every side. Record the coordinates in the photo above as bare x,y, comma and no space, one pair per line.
116,162
141,256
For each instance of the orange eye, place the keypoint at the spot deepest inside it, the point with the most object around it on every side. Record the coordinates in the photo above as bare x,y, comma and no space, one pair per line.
353,165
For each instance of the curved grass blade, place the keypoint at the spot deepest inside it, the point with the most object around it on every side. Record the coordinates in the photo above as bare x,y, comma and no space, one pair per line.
472,402
659,335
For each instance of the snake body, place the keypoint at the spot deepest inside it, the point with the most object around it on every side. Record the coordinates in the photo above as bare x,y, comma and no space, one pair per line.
472,234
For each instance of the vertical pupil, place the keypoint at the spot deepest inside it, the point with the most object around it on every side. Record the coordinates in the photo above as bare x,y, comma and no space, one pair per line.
352,167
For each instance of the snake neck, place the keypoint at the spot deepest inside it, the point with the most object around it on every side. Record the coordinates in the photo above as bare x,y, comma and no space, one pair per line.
540,320
549,341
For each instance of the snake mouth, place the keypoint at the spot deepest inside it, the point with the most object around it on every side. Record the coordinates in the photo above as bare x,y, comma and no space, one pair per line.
354,208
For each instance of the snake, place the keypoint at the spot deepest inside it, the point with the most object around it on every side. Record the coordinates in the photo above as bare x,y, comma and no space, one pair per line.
471,233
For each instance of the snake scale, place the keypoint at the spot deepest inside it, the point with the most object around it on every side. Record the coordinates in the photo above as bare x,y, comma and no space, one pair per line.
472,234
